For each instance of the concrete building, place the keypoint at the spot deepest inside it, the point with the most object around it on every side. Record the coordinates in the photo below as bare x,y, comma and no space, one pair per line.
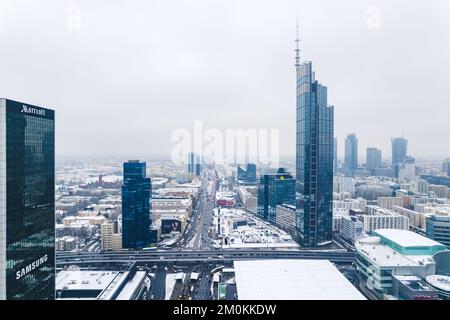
438,229
380,218
110,239
285,217
388,202
101,285
351,229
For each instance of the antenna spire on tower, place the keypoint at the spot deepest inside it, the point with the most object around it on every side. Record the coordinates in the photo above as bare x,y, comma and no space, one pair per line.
297,50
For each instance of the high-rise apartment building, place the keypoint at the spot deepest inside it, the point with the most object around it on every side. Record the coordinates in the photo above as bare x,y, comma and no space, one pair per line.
27,201
136,204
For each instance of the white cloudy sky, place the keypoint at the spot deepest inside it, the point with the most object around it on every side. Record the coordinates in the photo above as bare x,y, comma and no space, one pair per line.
122,75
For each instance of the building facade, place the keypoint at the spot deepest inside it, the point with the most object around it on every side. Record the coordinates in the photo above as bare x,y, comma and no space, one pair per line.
351,229
27,202
438,229
285,217
136,204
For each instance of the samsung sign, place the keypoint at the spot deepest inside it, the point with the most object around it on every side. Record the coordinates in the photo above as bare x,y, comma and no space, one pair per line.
32,266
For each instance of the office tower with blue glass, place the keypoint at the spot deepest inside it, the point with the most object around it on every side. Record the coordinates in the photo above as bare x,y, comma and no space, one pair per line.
136,204
373,160
399,153
273,190
351,155
27,201
314,160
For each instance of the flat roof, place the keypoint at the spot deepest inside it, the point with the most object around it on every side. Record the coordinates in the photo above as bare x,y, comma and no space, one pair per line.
385,256
405,238
131,286
292,280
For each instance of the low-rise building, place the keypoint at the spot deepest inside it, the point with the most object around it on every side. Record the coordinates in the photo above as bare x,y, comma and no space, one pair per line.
391,252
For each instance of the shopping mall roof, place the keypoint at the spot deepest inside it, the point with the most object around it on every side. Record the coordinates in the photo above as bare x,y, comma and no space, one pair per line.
292,280
408,242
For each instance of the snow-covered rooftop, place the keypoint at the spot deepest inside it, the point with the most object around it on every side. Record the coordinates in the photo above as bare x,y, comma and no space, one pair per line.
292,280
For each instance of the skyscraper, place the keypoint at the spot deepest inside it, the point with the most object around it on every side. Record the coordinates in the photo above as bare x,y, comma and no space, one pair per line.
136,204
373,160
351,154
27,202
314,160
194,164
399,153
275,189
335,158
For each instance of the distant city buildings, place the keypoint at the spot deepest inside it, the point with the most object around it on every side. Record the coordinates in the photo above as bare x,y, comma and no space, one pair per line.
136,203
27,202
351,155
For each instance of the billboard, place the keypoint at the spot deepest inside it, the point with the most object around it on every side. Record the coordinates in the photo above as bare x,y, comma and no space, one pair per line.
170,225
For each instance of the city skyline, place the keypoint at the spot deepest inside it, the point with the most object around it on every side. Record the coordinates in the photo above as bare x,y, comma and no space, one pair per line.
235,53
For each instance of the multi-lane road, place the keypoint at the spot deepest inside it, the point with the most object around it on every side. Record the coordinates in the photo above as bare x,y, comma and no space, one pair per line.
63,259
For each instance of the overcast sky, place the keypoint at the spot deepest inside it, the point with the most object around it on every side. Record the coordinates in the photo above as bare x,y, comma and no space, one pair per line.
122,75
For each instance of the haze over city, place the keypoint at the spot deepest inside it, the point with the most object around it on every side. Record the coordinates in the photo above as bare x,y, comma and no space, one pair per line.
128,74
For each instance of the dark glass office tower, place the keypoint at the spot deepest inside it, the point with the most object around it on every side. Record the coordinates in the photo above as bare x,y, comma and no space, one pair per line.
136,204
27,202
314,161
275,189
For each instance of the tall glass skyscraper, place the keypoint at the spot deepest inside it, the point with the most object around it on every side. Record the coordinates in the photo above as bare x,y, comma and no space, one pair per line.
27,202
399,154
314,160
275,189
136,204
351,154
194,164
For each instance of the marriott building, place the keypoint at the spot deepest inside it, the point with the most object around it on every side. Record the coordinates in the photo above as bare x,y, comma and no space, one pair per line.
27,202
